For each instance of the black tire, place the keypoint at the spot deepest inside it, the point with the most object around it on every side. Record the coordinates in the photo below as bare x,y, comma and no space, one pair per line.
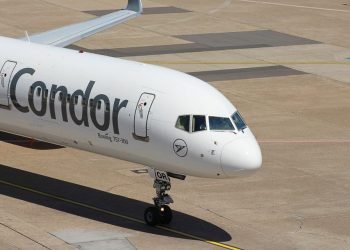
151,216
165,214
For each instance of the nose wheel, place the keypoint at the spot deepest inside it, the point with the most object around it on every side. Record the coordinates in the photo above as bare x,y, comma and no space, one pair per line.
160,213
166,215
154,216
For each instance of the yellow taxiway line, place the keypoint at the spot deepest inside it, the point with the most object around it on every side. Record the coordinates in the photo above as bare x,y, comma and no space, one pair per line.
222,245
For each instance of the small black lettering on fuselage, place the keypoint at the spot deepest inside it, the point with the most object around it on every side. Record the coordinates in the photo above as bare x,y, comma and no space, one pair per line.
68,102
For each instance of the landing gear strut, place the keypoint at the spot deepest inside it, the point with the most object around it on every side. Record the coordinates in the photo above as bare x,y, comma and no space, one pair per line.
160,213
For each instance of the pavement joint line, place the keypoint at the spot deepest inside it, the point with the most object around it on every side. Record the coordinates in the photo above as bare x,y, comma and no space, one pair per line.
222,245
249,63
295,6
25,236
301,141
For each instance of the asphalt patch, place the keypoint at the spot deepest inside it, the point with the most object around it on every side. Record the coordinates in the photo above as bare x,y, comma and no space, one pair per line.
246,73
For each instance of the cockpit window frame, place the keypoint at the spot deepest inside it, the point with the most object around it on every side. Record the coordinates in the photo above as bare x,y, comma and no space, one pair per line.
233,129
190,123
241,118
206,123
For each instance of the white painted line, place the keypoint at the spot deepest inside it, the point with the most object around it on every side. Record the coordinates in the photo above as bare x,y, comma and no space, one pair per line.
295,6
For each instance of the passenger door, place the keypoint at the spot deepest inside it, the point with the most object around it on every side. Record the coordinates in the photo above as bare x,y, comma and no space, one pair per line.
5,77
141,116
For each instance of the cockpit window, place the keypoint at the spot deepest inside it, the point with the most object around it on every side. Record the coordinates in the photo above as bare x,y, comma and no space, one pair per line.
199,123
220,123
183,123
238,120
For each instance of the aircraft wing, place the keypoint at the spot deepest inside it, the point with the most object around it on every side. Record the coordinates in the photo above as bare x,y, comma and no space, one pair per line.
67,35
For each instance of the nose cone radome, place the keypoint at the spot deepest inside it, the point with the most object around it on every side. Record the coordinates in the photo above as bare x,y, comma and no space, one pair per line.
241,156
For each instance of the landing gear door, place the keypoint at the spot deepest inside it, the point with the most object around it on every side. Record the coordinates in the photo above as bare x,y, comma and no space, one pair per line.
5,77
141,116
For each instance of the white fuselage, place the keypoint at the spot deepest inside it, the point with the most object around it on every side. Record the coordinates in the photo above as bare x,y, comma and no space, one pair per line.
118,108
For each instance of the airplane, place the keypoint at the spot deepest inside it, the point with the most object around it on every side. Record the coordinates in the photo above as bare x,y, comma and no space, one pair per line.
171,122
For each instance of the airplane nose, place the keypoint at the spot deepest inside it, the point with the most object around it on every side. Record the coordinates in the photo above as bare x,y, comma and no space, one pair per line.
241,155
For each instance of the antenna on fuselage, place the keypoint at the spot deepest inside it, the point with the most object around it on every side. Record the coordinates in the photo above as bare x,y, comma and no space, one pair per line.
27,36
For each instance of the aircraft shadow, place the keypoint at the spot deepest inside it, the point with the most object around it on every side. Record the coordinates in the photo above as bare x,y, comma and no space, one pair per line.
103,200
26,142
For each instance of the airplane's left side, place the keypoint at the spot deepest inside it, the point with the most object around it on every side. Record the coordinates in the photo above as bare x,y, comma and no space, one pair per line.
173,123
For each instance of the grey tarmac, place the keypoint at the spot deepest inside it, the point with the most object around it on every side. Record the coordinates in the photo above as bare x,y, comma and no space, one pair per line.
284,64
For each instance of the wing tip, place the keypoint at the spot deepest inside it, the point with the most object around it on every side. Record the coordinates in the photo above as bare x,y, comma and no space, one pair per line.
135,5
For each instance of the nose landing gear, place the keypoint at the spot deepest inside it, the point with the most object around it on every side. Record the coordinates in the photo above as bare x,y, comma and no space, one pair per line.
160,213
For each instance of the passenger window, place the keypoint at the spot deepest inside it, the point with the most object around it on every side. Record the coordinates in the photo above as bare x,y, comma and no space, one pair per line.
183,123
199,123
220,123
